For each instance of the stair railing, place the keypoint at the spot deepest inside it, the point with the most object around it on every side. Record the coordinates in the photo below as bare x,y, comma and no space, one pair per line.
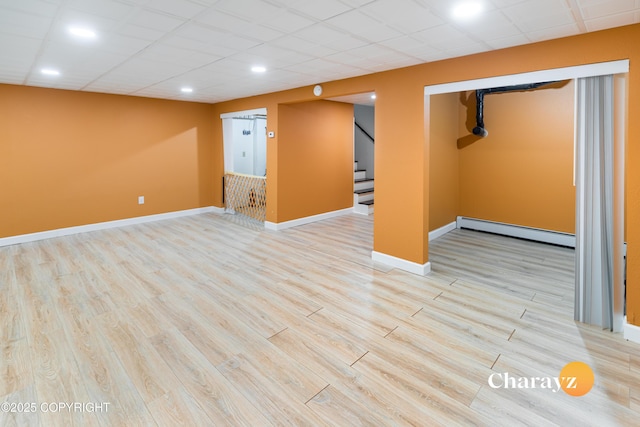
361,129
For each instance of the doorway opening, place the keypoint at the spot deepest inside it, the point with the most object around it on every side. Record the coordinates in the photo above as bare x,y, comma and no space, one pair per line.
363,150
245,163
617,69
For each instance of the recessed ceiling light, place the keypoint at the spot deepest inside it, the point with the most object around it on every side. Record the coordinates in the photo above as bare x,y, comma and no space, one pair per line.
258,69
467,10
50,72
186,90
373,96
84,33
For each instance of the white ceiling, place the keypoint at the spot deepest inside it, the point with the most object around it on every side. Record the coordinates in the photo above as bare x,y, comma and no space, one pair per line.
153,48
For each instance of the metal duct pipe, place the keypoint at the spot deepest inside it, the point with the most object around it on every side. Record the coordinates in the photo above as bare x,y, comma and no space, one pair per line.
480,130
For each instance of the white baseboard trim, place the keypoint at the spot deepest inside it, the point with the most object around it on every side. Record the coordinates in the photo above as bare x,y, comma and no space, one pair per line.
402,264
522,232
33,237
278,226
631,332
439,232
362,209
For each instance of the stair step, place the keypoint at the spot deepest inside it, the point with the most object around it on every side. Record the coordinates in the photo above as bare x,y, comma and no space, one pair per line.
363,180
365,191
367,203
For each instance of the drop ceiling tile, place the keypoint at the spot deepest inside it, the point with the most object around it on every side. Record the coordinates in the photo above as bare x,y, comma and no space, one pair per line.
318,67
199,46
320,34
34,7
270,56
119,44
62,82
149,72
156,20
494,25
71,17
506,3
200,32
220,20
538,15
303,46
347,42
111,81
468,49
362,26
96,65
610,21
260,32
406,16
536,9
24,24
177,8
288,22
206,2
198,77
553,33
599,9
443,37
6,77
13,46
356,3
143,33
501,43
319,10
162,53
402,43
256,11
230,67
236,43
110,9
425,52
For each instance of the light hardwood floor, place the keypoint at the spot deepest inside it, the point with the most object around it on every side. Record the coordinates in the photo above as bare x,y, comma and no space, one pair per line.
200,321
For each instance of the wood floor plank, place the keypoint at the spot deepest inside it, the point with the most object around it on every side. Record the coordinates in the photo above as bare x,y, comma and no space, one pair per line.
503,406
220,400
58,379
16,372
338,409
178,408
147,370
104,377
420,390
314,354
438,352
453,384
267,396
13,417
205,320
11,317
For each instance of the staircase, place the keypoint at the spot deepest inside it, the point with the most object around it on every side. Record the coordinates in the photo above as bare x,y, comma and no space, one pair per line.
362,191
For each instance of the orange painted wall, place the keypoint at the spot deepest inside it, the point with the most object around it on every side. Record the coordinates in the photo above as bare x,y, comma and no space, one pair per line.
444,188
73,158
402,157
522,172
316,147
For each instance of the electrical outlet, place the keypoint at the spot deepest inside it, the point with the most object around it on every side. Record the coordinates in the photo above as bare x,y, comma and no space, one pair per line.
141,200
